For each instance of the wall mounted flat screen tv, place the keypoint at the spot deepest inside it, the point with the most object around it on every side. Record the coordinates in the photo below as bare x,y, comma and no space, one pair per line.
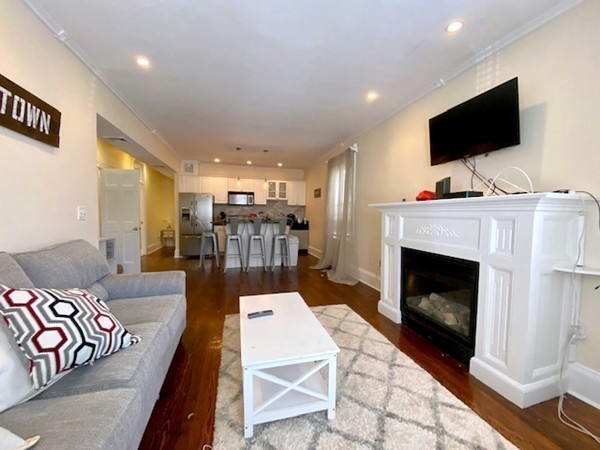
480,125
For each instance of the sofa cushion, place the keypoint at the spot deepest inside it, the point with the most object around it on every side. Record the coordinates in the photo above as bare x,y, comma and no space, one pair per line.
167,309
11,273
130,285
59,330
98,290
133,368
73,264
95,420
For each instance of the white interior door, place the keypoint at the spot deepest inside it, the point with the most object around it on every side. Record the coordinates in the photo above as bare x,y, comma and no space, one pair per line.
120,215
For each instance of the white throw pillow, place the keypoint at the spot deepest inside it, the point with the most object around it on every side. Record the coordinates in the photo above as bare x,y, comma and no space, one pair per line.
15,382
10,441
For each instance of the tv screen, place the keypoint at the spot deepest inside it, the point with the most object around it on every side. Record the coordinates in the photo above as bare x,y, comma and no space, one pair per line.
480,125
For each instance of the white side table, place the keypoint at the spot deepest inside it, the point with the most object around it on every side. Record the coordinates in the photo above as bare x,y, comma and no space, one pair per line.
166,236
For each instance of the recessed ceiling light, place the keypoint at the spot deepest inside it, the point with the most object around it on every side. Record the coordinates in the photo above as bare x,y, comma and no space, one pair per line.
454,26
142,61
371,96
249,162
279,164
217,160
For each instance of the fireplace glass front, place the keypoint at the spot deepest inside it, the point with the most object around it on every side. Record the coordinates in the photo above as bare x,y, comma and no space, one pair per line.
439,300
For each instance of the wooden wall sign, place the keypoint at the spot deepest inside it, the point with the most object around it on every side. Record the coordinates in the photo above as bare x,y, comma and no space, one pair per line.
27,114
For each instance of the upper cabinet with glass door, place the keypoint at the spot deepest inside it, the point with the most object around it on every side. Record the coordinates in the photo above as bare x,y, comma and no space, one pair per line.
277,190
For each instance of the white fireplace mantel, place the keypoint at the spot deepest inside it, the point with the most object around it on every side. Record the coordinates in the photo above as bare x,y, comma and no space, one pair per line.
524,305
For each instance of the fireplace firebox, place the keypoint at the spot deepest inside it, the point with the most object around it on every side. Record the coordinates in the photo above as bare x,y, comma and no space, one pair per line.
439,300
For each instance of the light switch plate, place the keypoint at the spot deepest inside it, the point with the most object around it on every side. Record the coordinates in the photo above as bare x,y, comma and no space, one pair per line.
81,213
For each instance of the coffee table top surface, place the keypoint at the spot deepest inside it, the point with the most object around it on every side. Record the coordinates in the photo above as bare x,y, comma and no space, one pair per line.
292,332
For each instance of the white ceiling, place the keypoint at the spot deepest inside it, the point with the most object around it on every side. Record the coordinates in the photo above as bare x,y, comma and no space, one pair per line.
283,75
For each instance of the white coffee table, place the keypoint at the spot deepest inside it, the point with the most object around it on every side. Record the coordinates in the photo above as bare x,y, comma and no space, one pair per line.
288,360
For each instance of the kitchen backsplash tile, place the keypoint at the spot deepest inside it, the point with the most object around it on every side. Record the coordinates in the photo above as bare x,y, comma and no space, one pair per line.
274,209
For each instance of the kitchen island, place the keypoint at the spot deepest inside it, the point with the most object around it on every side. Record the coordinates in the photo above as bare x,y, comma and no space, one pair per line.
247,226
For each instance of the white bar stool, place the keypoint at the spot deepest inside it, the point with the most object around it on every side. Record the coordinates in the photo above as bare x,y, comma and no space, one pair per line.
280,237
257,234
234,234
215,246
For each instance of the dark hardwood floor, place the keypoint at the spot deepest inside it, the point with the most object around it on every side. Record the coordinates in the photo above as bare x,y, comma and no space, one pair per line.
183,417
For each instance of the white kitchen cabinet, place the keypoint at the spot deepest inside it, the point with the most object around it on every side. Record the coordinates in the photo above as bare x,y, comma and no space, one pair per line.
240,184
220,192
277,190
260,192
189,183
216,186
297,193
207,185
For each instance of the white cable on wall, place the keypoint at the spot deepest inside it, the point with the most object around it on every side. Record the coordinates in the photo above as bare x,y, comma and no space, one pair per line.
497,177
575,326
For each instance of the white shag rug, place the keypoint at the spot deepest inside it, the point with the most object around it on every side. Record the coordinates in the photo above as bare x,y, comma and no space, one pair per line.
384,400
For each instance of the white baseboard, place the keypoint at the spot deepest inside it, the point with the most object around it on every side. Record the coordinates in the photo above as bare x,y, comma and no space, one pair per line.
370,279
153,248
522,395
389,312
315,252
584,383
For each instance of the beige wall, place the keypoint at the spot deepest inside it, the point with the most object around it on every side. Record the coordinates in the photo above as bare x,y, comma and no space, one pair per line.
112,157
557,68
41,186
316,178
160,207
158,195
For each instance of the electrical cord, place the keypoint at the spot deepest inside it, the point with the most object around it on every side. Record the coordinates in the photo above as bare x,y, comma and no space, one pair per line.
562,415
472,171
595,200
575,327
472,166
598,206
491,183
497,177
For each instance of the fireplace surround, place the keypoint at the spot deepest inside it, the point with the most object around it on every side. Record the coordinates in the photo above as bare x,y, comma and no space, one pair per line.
523,302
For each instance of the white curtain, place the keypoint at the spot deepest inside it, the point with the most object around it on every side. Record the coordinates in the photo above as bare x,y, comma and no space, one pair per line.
339,257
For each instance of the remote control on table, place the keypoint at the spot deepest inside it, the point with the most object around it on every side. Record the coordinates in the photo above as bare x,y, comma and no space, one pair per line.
266,312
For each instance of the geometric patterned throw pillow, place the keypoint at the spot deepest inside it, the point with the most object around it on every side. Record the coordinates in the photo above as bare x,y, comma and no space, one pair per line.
60,329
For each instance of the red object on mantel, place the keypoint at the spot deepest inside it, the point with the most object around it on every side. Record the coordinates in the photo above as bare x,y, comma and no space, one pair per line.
425,195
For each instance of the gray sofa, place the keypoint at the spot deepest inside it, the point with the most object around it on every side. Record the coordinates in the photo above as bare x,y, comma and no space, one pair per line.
106,405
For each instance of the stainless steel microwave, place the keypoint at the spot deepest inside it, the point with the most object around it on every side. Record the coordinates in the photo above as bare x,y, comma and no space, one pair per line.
240,198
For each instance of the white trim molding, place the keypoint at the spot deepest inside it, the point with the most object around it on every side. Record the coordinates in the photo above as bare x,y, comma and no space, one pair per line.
584,383
369,278
316,252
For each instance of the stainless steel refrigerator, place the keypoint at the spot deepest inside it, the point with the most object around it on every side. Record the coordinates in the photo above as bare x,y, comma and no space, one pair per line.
195,216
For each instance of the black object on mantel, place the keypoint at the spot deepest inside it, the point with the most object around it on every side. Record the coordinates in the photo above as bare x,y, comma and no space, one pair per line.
463,194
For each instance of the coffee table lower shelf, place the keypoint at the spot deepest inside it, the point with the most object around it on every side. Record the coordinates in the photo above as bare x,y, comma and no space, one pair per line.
288,389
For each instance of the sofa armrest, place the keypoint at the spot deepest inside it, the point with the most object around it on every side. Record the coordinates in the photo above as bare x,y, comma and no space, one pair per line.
144,284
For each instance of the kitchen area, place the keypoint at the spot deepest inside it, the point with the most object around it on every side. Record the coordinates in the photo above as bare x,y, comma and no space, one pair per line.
213,201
